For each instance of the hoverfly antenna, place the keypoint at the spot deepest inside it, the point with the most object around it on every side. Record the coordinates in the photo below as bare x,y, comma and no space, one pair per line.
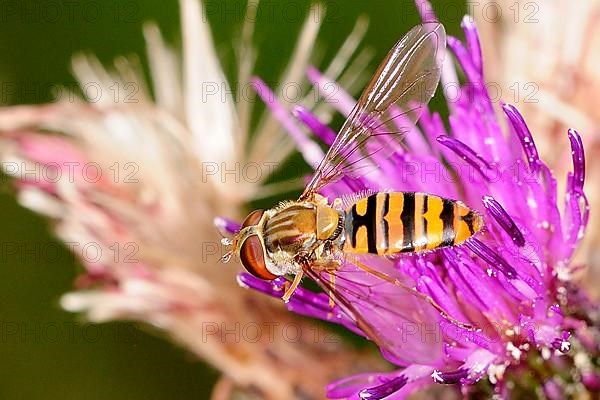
226,257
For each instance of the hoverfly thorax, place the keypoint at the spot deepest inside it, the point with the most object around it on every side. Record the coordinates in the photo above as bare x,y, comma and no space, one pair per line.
301,227
292,228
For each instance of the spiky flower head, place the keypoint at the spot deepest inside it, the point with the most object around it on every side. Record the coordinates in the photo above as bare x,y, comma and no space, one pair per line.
545,59
140,179
533,332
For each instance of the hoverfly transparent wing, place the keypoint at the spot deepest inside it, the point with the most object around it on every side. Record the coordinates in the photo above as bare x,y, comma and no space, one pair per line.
401,321
390,105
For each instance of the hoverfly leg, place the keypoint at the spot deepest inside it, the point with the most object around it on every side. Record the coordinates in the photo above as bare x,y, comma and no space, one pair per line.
329,266
435,305
292,287
332,282
425,297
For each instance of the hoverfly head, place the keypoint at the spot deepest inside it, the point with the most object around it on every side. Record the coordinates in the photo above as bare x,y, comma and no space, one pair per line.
249,245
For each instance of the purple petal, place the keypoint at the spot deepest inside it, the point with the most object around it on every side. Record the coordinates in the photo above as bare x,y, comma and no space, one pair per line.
521,129
464,59
336,96
273,288
465,152
311,152
425,11
346,387
385,389
303,301
504,220
578,160
311,121
491,257
591,381
453,377
553,390
226,226
473,44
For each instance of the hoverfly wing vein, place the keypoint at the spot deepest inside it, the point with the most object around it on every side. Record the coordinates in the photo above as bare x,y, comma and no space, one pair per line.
398,314
402,86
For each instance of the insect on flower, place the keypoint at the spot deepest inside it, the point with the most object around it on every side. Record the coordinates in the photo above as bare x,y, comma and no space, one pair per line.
322,240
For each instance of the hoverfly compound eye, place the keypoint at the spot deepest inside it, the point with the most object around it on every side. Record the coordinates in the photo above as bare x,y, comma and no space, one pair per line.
252,257
253,218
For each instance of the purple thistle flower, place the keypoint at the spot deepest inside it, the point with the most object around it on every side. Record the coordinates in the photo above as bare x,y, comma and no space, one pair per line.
511,282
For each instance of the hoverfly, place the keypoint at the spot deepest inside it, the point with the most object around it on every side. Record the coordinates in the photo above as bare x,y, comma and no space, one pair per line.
345,245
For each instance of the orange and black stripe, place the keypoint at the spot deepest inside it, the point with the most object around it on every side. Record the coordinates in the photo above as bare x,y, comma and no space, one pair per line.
361,224
400,222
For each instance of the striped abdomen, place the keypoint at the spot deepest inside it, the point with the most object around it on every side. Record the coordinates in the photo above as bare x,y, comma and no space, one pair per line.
389,223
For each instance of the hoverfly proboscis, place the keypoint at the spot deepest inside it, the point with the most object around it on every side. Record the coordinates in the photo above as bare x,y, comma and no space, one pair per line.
345,245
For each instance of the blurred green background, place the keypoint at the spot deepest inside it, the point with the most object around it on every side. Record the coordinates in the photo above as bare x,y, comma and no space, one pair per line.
46,352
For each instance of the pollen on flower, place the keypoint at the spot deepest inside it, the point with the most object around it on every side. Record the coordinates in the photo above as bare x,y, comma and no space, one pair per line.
563,272
546,353
514,351
496,373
